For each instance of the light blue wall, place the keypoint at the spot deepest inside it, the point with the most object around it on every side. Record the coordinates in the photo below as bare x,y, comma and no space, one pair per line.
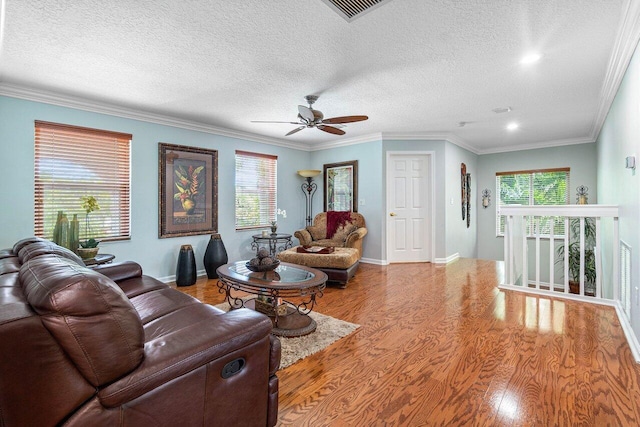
370,196
619,138
581,159
157,256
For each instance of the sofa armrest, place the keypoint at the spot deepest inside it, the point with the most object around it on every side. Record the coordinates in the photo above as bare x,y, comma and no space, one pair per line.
354,236
187,348
304,236
119,271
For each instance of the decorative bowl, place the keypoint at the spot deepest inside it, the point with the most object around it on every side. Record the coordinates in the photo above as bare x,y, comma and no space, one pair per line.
258,268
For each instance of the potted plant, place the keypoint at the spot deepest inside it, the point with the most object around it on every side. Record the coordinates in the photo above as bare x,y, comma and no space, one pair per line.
574,256
89,246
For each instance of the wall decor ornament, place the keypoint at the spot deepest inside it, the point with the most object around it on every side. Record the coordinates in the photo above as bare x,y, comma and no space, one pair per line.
187,190
486,198
468,192
582,192
463,188
341,186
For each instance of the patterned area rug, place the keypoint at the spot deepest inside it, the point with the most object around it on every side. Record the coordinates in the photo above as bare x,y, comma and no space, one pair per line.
329,330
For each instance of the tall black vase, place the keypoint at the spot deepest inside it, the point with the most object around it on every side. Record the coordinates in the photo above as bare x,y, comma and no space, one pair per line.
215,256
186,273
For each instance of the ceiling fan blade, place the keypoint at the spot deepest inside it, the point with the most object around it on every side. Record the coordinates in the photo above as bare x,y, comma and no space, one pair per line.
345,119
331,129
306,113
295,130
269,121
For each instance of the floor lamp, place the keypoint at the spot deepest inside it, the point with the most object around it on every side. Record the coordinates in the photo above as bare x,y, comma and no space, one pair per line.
309,189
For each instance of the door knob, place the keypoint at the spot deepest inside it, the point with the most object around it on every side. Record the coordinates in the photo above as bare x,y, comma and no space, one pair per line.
392,214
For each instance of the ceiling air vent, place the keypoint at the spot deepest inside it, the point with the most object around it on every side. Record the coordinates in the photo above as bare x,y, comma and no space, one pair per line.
352,9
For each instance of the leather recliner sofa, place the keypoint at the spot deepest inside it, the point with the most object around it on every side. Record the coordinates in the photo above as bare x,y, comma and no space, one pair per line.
109,346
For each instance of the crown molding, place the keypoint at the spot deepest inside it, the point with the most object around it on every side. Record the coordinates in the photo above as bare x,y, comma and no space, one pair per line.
537,145
624,47
127,113
29,94
431,136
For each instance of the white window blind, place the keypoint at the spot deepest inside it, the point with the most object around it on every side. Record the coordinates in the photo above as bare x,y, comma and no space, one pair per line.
256,189
534,188
72,162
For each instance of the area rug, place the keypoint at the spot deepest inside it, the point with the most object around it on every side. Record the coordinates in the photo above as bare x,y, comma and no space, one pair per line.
329,330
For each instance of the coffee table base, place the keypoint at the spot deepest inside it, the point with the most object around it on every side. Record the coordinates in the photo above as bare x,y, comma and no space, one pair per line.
291,324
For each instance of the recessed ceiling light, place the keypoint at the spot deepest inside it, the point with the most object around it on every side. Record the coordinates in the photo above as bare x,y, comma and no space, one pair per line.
501,110
513,126
530,58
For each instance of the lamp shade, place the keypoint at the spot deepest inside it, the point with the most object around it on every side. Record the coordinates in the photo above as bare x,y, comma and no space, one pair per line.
309,173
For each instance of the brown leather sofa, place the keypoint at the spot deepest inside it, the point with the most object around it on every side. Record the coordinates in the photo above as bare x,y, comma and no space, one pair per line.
108,346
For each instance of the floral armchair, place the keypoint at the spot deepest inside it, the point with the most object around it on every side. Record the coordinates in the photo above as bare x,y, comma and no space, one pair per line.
348,233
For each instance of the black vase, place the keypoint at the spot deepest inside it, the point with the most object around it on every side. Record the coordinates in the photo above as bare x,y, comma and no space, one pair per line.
186,273
215,256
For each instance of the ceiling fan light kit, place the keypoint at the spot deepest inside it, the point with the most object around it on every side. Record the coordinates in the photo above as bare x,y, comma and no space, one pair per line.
310,118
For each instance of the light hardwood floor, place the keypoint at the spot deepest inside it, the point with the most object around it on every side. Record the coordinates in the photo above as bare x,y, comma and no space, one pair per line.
441,345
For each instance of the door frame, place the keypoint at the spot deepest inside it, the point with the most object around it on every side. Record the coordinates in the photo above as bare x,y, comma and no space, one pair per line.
431,155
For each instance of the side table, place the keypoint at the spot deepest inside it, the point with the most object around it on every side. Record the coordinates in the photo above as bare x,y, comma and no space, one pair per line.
276,242
99,259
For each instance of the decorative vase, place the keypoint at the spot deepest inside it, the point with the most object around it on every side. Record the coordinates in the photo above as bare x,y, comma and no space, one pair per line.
215,256
74,234
186,273
274,228
63,236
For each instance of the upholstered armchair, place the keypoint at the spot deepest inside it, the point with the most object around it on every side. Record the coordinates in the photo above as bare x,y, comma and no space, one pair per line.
348,233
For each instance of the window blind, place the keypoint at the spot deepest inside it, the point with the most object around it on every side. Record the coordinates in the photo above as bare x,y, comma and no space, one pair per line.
533,187
256,189
72,162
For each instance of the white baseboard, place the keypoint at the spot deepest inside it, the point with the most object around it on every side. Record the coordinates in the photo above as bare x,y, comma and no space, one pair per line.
447,260
172,278
373,261
628,332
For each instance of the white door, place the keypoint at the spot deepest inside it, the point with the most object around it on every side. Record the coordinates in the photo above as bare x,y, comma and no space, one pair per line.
409,207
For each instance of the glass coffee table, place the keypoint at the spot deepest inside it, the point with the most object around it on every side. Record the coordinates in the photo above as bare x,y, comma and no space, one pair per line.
273,290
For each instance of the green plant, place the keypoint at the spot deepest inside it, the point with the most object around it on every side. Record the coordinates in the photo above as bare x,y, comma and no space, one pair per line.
89,204
574,251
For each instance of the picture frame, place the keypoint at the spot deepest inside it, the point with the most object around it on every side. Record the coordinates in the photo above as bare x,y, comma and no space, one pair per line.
341,186
187,190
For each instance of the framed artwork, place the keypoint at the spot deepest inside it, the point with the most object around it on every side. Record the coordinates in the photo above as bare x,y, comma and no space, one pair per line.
187,190
341,186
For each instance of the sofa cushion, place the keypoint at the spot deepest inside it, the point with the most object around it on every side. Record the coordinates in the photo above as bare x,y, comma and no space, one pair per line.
43,247
88,314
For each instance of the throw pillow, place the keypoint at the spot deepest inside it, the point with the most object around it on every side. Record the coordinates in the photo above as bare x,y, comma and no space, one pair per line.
317,233
343,231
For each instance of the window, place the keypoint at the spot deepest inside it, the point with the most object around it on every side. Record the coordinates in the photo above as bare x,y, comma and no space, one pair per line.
256,189
72,162
536,187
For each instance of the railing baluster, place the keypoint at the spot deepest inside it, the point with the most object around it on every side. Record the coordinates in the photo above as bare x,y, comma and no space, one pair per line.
537,223
566,255
616,261
582,256
525,255
598,258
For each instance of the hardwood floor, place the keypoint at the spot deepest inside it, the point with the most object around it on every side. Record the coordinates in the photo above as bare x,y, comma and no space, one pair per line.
441,345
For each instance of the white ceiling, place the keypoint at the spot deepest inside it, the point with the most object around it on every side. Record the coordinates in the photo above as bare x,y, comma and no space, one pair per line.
415,67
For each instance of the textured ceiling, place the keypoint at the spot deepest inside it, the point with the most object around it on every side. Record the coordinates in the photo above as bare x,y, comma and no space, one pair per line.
413,66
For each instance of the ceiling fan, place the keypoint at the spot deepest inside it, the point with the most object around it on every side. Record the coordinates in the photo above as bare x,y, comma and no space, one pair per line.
310,118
